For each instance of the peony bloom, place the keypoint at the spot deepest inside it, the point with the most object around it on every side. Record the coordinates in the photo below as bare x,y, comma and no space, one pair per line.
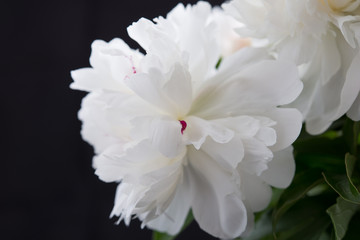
322,37
177,133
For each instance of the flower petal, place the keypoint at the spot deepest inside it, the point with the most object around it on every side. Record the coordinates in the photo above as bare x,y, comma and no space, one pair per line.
179,89
86,79
288,126
150,88
353,83
354,111
163,132
256,192
281,169
172,220
216,203
199,129
262,85
256,156
133,159
228,155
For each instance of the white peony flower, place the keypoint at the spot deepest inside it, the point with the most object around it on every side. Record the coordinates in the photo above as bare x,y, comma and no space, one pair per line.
179,134
322,37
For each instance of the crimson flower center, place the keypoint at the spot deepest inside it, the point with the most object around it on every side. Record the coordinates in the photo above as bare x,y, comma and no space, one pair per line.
183,126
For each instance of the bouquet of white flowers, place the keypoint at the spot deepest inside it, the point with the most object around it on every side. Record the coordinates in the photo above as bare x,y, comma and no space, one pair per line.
206,123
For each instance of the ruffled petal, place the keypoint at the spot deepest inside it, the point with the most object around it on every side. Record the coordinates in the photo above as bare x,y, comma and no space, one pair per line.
256,192
170,92
281,169
228,155
179,89
163,132
287,128
131,160
112,62
199,129
353,83
86,79
354,111
333,100
216,204
256,157
97,117
172,220
281,87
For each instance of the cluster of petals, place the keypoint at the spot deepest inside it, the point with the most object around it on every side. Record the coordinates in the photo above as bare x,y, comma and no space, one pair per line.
180,130
322,37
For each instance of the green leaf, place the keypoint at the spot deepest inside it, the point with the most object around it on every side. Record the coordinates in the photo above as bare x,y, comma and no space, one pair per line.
301,184
324,161
320,152
161,236
164,236
353,231
320,144
341,214
351,132
306,219
353,176
342,185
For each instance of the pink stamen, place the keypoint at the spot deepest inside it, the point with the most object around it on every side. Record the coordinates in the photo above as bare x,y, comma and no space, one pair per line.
183,126
132,63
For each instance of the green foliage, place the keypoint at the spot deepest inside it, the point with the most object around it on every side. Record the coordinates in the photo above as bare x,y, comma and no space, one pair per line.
162,236
303,182
305,219
342,185
341,214
352,174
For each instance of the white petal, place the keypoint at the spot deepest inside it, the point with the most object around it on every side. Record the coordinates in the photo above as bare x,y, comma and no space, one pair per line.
166,136
245,126
86,79
261,86
108,165
352,82
120,160
111,62
199,129
288,126
273,84
250,221
267,135
354,111
243,58
150,88
281,169
163,132
97,126
330,59
256,157
228,155
216,204
179,89
336,97
139,32
256,192
172,220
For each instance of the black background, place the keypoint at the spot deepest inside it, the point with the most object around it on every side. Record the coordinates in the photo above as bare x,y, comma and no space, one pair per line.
48,187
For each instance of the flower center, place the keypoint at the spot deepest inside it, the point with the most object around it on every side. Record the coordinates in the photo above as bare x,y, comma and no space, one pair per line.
338,5
183,126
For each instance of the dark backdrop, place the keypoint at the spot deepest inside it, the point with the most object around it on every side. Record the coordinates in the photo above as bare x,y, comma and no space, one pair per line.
48,187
